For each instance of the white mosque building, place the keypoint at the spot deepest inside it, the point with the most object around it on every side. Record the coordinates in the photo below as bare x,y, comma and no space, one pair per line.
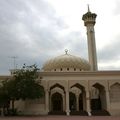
73,85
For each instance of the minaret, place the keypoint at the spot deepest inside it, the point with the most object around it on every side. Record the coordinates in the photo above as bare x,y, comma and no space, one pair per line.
89,21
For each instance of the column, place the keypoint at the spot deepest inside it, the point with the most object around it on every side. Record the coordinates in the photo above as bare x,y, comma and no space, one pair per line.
50,102
88,108
67,103
107,100
77,102
2,111
84,100
63,102
47,100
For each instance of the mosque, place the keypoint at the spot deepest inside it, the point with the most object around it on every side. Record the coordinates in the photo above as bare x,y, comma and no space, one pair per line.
75,86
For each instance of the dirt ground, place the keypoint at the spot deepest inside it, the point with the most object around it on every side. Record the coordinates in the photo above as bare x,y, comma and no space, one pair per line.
62,118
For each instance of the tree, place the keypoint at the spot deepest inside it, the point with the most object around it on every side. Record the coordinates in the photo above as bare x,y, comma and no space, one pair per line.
26,82
4,97
22,85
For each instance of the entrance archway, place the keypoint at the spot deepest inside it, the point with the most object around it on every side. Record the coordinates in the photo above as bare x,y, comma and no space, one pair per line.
57,102
96,101
79,99
97,97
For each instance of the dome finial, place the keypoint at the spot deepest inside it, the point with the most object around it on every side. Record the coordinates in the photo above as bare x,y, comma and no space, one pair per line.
66,51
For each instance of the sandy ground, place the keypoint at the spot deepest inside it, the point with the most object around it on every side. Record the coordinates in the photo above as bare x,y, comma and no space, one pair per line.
62,118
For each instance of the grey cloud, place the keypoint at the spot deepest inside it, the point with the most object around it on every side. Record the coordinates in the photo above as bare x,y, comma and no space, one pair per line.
116,10
31,30
77,43
27,27
110,67
110,52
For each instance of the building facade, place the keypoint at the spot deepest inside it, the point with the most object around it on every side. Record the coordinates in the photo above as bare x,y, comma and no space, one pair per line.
73,85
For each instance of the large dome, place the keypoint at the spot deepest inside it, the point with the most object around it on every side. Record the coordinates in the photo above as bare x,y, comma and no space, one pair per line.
66,62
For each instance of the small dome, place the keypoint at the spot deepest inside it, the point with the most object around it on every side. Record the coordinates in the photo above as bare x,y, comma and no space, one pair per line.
66,61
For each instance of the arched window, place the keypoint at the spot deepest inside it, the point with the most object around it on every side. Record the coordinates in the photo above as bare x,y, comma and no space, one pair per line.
115,92
67,69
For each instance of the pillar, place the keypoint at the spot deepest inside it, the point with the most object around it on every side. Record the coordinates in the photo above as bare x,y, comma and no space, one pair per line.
67,103
107,100
2,111
77,102
84,100
63,102
47,100
88,108
50,102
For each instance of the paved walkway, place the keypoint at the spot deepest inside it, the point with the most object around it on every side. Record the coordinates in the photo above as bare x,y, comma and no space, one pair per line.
62,118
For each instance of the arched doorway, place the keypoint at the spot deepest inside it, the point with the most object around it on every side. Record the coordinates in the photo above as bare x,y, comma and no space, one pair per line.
98,97
72,102
98,100
79,104
57,102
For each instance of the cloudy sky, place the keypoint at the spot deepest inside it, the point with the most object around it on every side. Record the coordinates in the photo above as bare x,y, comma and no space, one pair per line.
37,30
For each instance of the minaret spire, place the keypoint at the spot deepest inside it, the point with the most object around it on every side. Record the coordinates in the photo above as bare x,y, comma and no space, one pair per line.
88,8
89,19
